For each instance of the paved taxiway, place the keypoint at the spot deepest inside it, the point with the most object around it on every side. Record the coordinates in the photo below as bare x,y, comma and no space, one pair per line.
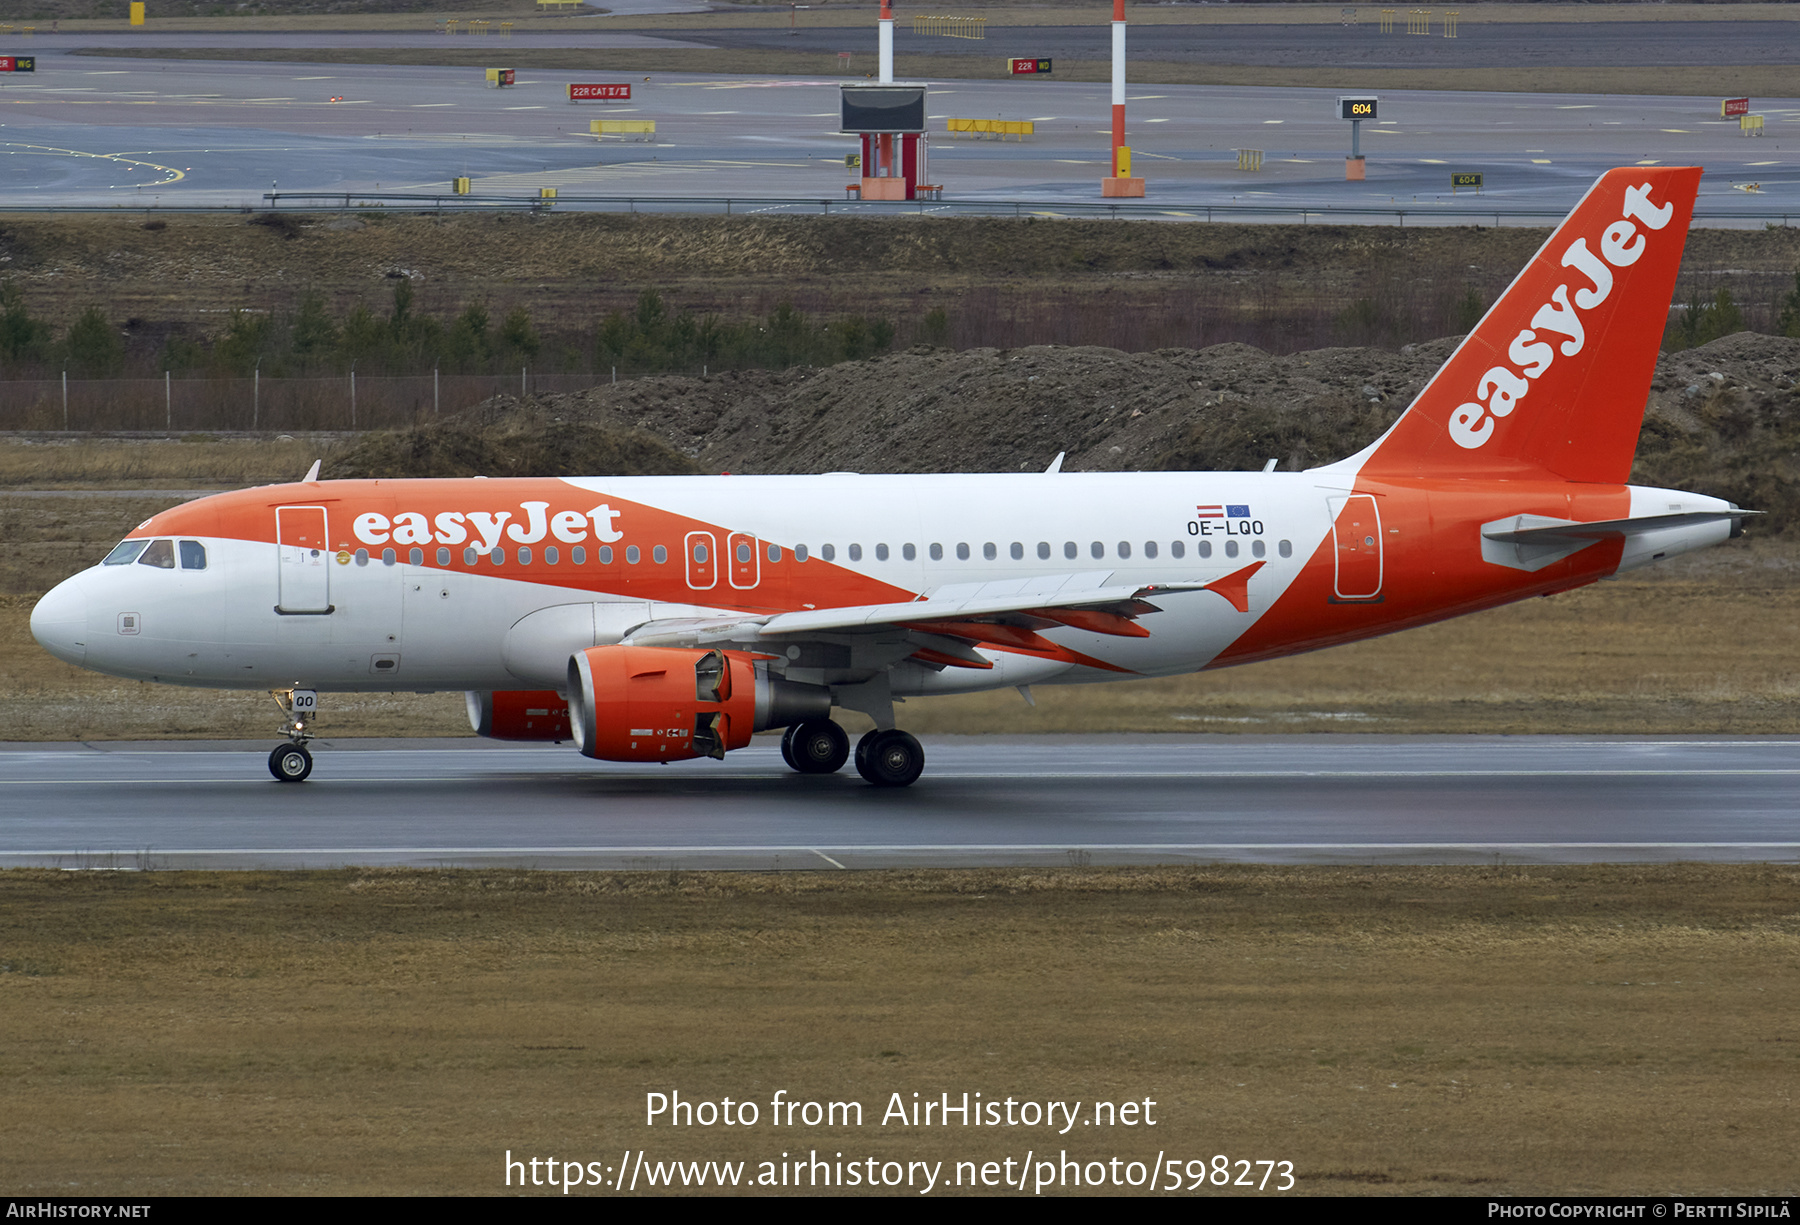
83,131
983,801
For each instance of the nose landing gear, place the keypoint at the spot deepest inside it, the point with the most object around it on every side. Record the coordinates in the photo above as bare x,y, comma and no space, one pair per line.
291,763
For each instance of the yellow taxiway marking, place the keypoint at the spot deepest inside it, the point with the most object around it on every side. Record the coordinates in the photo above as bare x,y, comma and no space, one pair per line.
175,176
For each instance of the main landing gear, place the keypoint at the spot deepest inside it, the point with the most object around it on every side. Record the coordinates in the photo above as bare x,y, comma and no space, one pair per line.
889,759
885,759
291,763
817,746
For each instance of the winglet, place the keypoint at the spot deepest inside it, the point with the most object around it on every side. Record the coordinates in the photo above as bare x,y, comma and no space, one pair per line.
312,474
1235,587
1055,464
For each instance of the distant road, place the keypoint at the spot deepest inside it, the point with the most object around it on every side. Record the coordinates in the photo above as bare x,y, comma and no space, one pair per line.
1050,800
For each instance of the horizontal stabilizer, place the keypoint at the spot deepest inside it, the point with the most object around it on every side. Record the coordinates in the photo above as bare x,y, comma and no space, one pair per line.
1541,529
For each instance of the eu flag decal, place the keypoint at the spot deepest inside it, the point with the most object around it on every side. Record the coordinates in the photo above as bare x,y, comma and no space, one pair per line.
1237,512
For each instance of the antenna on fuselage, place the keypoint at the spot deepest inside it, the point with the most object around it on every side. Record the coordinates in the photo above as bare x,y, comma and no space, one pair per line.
1055,464
312,474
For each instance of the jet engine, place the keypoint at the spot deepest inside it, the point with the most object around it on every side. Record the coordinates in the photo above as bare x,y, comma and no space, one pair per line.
519,714
632,703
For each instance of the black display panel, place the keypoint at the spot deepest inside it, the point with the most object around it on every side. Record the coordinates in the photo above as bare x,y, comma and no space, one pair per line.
884,108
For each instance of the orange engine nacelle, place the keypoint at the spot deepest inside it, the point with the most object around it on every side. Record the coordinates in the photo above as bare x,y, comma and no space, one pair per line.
668,704
519,714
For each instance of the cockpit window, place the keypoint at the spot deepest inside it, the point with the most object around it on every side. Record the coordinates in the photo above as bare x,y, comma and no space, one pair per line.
160,553
193,555
125,553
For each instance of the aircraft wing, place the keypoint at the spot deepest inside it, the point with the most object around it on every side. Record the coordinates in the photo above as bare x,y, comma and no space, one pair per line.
945,620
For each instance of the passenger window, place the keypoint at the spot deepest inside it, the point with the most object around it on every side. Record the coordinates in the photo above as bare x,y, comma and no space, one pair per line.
909,552
1124,549
443,557
774,552
937,552
362,557
660,554
989,552
1178,548
498,556
524,557
161,554
632,555
469,556
1285,548
1071,550
387,557
856,552
962,552
578,556
124,553
881,552
551,556
743,553
1231,548
828,552
1018,551
1098,550
1257,549
606,555
416,557
1043,550
1204,548
700,554
193,555
799,552
1149,548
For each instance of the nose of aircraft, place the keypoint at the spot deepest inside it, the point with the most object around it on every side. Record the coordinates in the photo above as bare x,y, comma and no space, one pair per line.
60,622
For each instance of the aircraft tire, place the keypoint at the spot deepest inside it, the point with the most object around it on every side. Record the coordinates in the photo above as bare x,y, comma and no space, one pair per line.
817,746
290,763
890,759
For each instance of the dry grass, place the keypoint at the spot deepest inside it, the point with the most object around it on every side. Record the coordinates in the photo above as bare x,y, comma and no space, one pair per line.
1398,1030
191,461
1762,80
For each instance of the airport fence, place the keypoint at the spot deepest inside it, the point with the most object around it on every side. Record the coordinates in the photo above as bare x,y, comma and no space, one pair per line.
339,402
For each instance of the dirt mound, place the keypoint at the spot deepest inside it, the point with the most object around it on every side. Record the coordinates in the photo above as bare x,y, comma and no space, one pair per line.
508,440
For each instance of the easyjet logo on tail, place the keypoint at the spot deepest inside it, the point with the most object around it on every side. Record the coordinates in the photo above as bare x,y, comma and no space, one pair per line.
1499,391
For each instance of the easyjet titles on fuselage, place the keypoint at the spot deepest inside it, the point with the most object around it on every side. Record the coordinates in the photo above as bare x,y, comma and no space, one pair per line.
454,527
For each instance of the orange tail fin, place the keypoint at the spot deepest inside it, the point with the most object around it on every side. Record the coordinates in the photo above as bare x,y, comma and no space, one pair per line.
1554,378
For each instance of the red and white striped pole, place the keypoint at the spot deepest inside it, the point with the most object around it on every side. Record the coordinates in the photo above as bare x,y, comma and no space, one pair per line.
1119,181
1118,82
886,43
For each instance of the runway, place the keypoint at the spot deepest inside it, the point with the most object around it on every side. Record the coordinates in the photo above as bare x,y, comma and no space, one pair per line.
92,132
1000,801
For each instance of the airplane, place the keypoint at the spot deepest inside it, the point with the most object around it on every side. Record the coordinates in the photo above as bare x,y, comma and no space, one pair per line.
656,619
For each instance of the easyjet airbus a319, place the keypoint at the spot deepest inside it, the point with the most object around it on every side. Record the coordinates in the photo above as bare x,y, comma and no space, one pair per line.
662,618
